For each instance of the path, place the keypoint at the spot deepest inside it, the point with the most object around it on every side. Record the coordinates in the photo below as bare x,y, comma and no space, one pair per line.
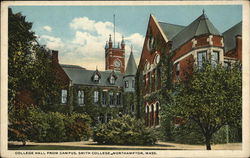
158,146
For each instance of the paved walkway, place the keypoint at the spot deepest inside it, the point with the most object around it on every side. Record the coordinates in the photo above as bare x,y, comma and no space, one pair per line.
157,146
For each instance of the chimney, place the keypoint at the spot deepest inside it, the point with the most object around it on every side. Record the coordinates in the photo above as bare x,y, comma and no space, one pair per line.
55,56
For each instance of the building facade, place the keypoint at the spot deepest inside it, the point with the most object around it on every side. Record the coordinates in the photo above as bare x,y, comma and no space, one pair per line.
101,94
188,46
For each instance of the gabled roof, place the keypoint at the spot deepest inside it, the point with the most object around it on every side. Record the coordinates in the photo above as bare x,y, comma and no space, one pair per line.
200,26
170,30
229,36
131,65
84,77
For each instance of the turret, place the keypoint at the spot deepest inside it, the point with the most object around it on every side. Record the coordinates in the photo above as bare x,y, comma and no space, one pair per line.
106,46
110,41
129,77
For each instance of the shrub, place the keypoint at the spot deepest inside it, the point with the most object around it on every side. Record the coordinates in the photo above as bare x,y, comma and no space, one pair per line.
77,127
124,131
56,129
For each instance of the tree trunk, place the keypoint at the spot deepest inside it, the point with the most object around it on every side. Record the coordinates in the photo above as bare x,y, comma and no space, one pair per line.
208,145
24,142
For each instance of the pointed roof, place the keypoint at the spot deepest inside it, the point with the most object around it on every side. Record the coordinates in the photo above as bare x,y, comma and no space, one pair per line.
201,26
230,34
131,65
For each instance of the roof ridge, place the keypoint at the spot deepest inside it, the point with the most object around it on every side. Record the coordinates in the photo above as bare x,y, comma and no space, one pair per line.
232,27
199,22
172,24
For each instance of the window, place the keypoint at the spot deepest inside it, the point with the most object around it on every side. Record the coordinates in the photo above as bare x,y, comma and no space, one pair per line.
64,96
96,78
177,70
215,58
80,97
157,59
202,57
133,83
104,98
112,80
118,98
126,84
157,119
111,98
96,96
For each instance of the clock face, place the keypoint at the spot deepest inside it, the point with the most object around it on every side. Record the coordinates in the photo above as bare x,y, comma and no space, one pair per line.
117,63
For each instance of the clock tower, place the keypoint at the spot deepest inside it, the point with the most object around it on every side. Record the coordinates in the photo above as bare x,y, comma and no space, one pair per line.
115,56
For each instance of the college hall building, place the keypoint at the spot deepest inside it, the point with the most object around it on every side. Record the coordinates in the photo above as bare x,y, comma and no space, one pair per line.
189,45
104,92
107,94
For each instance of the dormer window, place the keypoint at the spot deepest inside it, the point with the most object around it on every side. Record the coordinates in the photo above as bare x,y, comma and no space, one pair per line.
96,77
112,80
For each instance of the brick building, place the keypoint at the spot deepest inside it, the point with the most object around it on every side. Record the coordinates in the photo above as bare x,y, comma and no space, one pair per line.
190,45
102,92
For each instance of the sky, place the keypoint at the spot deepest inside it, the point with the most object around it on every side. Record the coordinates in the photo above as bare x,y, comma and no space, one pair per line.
79,33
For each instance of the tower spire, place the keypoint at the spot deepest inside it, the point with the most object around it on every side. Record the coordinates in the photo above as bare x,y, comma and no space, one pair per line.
114,28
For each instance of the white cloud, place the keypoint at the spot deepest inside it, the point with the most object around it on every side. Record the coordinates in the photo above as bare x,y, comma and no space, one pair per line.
47,28
86,48
52,42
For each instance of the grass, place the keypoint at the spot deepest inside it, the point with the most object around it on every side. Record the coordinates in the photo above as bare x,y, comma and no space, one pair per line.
57,147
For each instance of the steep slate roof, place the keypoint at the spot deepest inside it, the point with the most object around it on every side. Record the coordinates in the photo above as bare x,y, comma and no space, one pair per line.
84,77
200,26
229,36
131,65
170,30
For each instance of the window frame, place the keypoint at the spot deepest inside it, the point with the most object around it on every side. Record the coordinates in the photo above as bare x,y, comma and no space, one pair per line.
126,84
96,96
218,58
200,63
81,97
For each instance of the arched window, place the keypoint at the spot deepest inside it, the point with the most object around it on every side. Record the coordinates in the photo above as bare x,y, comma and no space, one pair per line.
157,120
147,116
152,116
157,59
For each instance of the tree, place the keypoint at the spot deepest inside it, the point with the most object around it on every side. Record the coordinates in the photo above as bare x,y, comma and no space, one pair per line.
30,75
29,64
211,98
